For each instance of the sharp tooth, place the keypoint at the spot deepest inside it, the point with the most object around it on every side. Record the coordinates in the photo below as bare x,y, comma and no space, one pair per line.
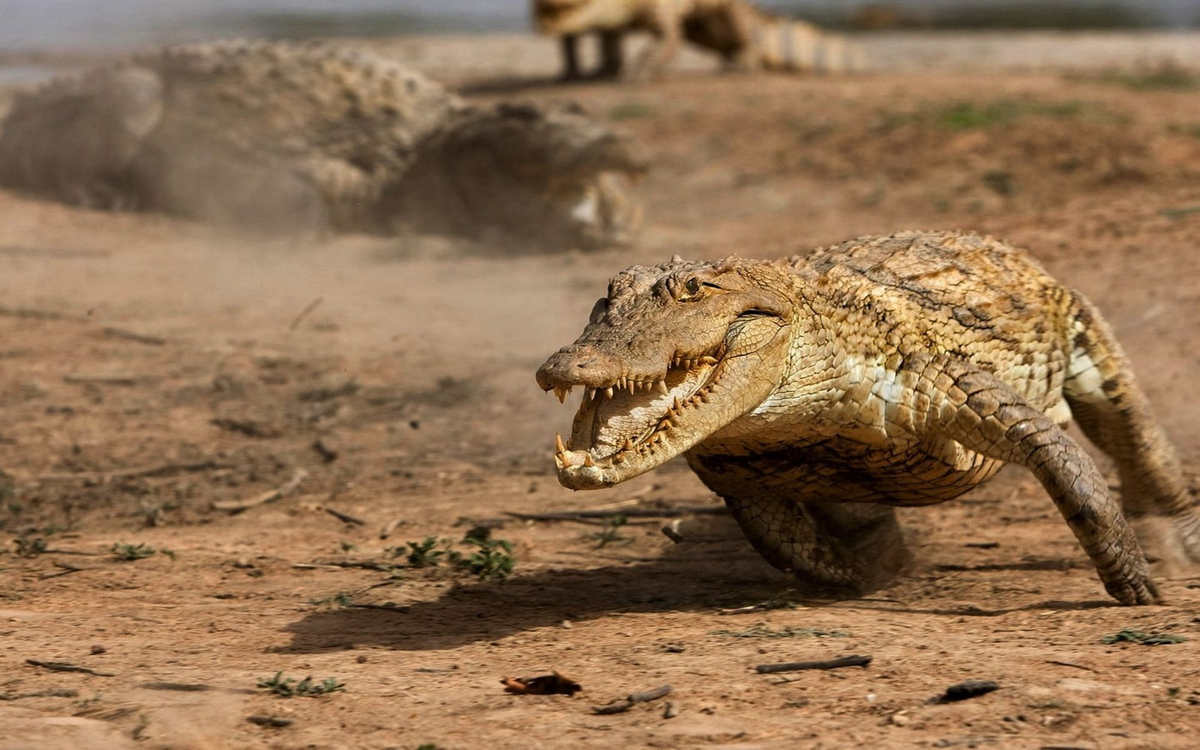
589,394
628,445
662,387
558,443
562,395
632,388
664,424
676,406
608,392
587,460
709,360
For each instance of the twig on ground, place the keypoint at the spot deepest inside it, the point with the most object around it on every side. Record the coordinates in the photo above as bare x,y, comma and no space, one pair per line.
140,338
392,525
365,564
631,700
78,379
577,515
796,666
66,570
1069,664
60,666
40,694
270,721
345,517
193,687
237,506
28,313
154,470
384,607
305,313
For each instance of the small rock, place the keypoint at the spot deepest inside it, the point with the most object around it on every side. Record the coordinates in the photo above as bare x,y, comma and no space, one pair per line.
99,650
901,718
670,711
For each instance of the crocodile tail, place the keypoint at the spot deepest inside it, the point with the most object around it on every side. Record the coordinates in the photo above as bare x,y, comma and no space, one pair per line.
787,44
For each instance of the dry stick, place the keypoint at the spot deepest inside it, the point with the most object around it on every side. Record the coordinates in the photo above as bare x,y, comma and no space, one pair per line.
345,518
237,506
304,313
365,564
631,700
67,570
193,687
140,338
384,607
59,666
796,666
387,530
575,515
102,379
40,694
136,473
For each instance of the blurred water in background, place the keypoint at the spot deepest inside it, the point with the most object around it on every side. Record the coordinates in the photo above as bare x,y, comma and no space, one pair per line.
28,25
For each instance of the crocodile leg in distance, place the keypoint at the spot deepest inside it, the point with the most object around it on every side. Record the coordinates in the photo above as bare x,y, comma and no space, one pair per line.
1115,415
983,414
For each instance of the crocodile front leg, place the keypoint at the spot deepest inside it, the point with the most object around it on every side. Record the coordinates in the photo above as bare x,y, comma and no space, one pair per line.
983,414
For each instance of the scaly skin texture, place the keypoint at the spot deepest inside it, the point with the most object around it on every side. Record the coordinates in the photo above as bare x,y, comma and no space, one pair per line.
311,136
814,394
745,36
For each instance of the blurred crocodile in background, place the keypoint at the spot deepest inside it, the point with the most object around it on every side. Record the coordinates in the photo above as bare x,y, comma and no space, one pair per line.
283,137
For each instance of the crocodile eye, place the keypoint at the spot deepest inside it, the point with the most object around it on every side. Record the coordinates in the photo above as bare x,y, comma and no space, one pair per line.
692,285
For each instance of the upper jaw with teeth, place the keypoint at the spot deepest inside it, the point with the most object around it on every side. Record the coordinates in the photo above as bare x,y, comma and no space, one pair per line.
690,385
632,384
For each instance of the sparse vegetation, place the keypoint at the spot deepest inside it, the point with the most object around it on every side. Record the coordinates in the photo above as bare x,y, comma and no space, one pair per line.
423,554
288,688
340,599
1143,639
129,552
999,112
492,560
27,547
1167,75
610,534
630,111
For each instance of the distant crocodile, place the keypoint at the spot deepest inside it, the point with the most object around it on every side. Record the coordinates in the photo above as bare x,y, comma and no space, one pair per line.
313,136
813,394
745,36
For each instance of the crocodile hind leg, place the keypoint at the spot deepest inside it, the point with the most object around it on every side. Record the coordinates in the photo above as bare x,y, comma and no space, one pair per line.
1113,412
836,548
984,414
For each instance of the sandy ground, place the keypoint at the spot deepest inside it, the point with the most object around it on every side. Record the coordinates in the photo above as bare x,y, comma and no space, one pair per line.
152,371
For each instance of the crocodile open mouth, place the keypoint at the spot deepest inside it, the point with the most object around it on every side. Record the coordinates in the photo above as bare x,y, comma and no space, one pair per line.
636,421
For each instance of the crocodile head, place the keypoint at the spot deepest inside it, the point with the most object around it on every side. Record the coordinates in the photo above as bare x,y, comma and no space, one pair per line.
543,175
673,354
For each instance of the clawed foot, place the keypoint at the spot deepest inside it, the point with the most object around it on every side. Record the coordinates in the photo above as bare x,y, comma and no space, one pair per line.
1134,587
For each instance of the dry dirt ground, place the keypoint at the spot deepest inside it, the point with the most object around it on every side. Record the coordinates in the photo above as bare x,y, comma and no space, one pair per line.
152,372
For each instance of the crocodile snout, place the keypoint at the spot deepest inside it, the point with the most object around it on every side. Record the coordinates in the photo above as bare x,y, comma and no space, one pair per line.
578,366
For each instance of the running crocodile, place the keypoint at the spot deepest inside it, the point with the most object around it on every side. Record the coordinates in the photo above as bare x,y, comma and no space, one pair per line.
817,393
276,135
